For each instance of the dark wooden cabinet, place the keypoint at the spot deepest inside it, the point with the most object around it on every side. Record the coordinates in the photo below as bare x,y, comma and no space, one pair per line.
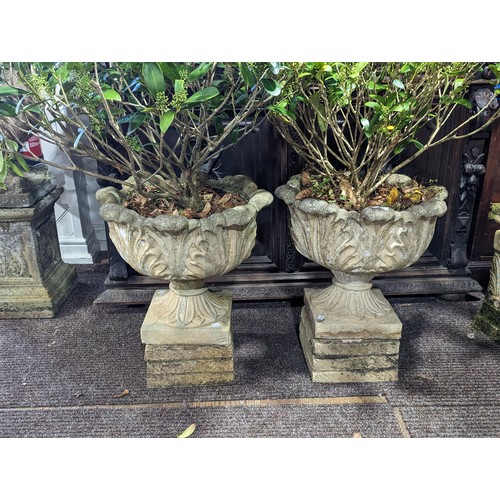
481,241
458,258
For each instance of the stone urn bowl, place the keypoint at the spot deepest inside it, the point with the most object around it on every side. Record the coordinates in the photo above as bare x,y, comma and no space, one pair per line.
187,251
356,246
349,331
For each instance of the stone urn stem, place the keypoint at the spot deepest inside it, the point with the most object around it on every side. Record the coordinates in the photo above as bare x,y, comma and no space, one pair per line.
191,304
351,295
187,305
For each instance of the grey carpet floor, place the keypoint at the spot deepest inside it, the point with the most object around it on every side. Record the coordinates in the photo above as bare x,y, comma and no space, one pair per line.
60,377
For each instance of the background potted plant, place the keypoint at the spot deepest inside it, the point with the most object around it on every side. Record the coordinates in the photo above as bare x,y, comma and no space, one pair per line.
159,128
356,125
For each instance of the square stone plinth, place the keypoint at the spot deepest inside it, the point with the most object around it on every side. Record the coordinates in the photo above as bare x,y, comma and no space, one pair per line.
155,330
34,281
188,365
349,350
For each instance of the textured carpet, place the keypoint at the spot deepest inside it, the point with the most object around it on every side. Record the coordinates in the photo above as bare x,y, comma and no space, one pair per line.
60,377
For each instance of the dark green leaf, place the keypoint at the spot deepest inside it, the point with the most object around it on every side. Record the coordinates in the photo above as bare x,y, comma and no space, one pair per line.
112,95
418,144
203,95
272,87
20,159
282,111
399,84
233,136
166,120
398,149
463,102
199,71
8,90
178,86
375,105
134,121
247,74
170,70
16,169
153,77
7,109
3,168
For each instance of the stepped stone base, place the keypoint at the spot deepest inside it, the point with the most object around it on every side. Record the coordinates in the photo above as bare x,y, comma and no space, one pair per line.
347,350
178,355
186,365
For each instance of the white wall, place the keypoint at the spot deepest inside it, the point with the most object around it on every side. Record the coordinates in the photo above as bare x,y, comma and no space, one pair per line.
80,228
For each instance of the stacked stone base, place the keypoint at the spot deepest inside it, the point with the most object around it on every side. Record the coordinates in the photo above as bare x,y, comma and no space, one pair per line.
181,365
339,349
187,356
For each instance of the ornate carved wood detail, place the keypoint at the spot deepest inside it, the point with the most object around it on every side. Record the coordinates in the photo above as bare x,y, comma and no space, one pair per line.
472,171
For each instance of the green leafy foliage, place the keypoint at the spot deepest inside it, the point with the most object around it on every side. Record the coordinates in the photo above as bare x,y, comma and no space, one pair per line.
361,117
153,77
158,122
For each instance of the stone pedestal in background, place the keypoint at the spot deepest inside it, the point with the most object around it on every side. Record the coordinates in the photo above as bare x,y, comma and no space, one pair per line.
488,318
34,281
340,348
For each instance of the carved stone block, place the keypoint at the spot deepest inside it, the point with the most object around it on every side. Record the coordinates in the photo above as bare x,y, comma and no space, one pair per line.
34,282
328,324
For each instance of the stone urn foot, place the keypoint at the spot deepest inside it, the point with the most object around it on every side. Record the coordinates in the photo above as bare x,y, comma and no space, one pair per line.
349,332
187,332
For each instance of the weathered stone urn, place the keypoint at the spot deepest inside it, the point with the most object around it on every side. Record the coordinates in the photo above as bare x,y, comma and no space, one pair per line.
349,331
187,329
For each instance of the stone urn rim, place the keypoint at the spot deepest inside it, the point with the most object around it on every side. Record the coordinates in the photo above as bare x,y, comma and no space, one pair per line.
112,209
435,207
